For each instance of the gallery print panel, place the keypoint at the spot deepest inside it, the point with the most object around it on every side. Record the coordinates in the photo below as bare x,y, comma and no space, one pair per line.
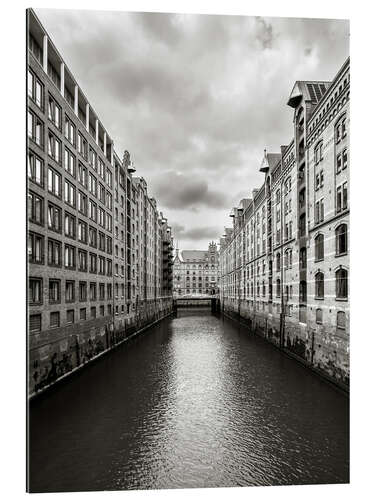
188,251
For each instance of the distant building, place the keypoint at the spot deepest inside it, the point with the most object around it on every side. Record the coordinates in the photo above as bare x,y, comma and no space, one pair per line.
196,271
284,265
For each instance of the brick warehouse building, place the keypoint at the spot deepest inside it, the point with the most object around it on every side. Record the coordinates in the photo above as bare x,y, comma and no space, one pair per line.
100,253
284,263
196,271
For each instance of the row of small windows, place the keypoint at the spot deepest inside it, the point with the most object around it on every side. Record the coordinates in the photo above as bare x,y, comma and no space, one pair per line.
81,259
85,291
35,320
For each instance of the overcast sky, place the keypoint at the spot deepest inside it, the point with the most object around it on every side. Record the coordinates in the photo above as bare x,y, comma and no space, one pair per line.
195,98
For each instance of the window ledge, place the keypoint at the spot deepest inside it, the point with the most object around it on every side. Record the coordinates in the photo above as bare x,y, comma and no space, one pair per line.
341,254
342,299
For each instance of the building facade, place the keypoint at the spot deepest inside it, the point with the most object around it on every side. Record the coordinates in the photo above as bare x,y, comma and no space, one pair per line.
284,263
196,271
95,238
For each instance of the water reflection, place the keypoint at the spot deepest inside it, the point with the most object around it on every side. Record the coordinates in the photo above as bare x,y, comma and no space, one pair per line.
196,402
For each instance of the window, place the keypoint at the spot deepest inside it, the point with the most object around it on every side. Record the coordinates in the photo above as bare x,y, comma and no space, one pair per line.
302,258
278,287
54,291
35,248
109,223
319,285
70,162
319,316
319,247
92,184
70,316
341,284
35,129
344,159
69,194
342,197
54,253
318,153
82,313
82,203
82,174
54,147
35,89
54,112
92,211
341,320
319,211
101,169
54,319
82,260
93,312
69,257
35,208
82,231
70,225
54,182
35,169
278,197
92,158
93,263
35,291
102,193
302,291
35,323
54,218
92,237
109,267
92,291
101,269
302,225
82,291
101,217
101,241
82,145
108,178
35,49
278,260
69,291
109,200
101,291
70,131
109,291
341,239
340,130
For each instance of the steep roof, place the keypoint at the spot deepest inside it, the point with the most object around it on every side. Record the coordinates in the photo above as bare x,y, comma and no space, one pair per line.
269,161
309,90
194,255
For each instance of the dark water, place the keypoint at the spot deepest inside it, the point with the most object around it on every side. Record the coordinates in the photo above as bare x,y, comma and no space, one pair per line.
195,402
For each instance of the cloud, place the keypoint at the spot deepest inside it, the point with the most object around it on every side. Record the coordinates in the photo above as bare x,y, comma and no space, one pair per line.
195,98
183,192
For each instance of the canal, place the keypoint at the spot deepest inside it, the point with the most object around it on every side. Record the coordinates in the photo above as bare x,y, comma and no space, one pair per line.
196,401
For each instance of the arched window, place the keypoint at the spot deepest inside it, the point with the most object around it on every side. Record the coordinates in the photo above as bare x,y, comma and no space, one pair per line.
341,320
278,197
341,284
319,316
302,291
302,258
277,288
319,247
278,262
341,239
319,285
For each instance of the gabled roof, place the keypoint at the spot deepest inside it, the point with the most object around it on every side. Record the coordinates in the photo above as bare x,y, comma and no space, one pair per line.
269,161
308,90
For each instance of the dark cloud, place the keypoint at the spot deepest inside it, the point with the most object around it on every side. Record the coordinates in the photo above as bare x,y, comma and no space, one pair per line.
197,233
183,192
195,98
